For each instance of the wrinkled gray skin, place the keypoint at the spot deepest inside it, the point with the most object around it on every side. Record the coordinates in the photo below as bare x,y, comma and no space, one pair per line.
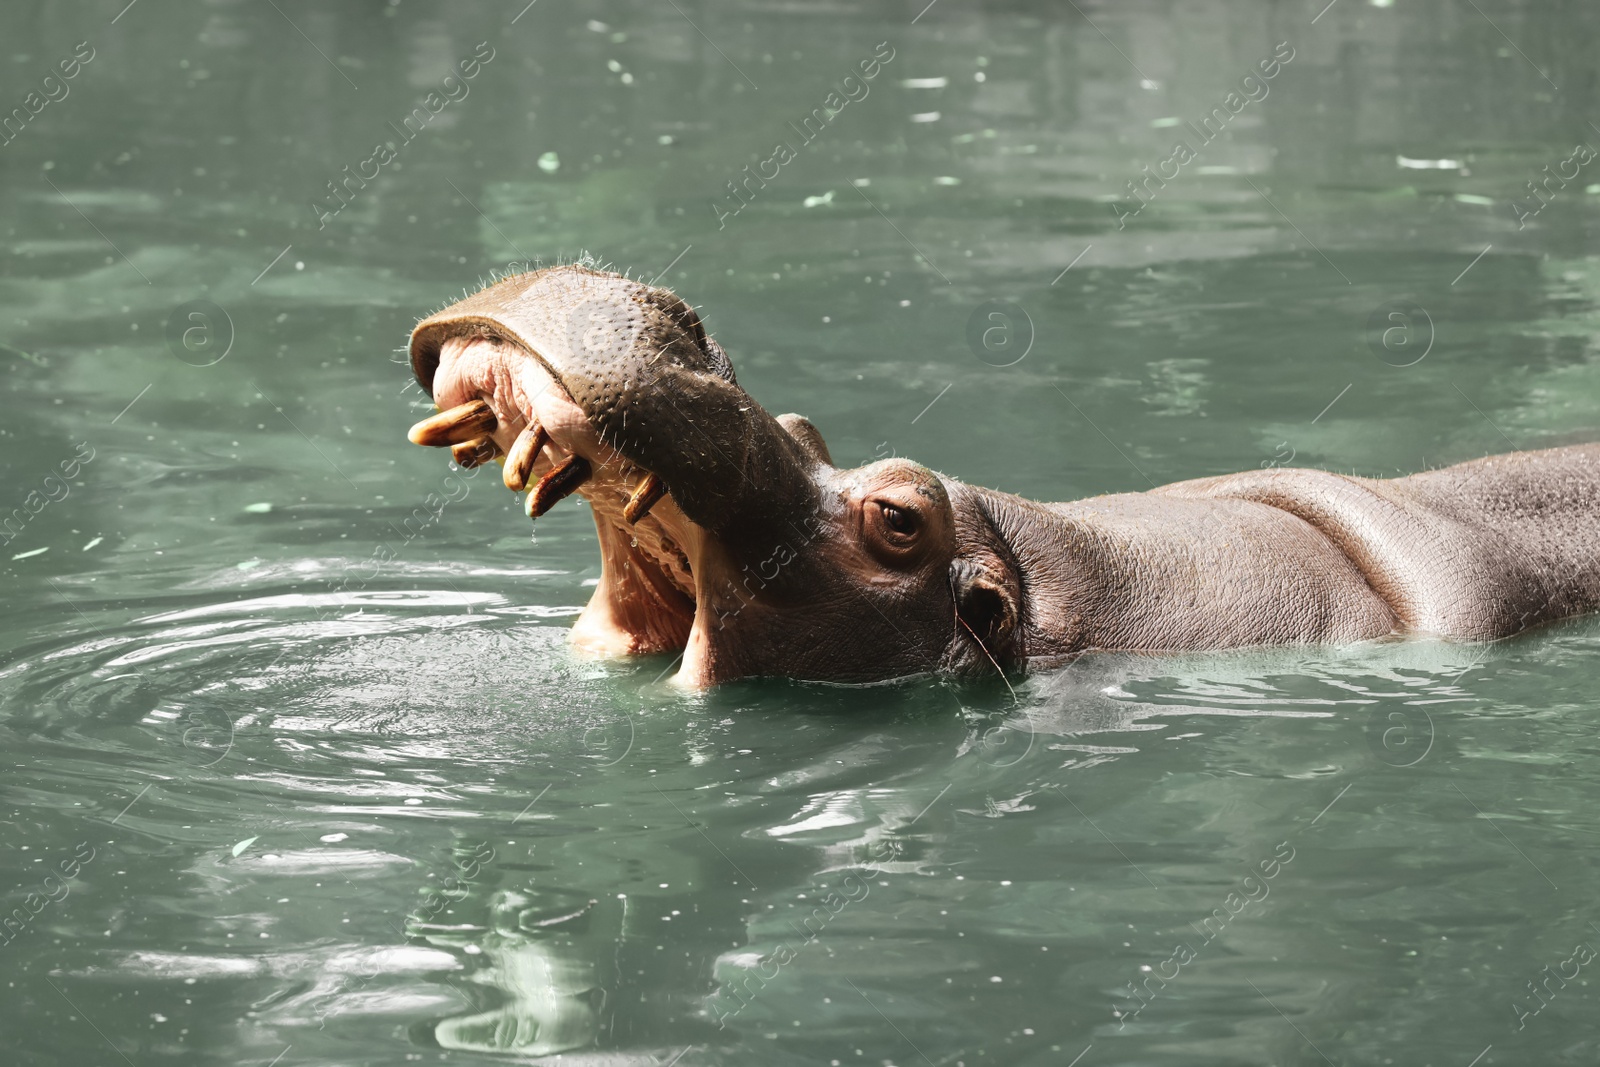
768,560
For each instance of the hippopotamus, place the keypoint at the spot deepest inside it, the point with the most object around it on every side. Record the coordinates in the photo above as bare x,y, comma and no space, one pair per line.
729,536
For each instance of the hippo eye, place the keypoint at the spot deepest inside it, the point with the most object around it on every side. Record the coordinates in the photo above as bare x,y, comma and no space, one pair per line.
898,529
899,520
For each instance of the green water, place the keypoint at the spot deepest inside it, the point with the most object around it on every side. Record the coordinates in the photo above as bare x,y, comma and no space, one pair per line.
297,769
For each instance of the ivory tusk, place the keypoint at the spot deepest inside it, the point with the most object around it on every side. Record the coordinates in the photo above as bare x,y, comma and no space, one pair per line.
475,452
459,424
645,496
524,452
558,485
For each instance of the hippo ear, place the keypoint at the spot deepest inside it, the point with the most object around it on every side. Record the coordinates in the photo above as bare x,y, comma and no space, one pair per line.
807,436
985,608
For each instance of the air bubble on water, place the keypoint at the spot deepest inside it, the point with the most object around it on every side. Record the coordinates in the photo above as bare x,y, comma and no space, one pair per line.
549,162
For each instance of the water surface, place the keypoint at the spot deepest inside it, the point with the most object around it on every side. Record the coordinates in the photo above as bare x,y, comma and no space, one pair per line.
298,769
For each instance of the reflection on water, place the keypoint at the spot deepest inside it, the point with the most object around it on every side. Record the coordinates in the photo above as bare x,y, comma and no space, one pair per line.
540,953
306,694
633,871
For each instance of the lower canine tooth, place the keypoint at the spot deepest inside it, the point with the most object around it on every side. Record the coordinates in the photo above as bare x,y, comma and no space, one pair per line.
558,485
524,451
646,496
460,423
476,452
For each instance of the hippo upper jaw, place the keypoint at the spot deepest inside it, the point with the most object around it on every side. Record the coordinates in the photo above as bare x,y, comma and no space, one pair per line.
638,365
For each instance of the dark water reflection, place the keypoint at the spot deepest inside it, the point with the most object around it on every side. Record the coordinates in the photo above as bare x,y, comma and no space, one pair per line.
302,695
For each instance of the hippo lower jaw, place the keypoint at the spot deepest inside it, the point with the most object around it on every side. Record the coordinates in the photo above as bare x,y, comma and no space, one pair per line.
730,535
645,600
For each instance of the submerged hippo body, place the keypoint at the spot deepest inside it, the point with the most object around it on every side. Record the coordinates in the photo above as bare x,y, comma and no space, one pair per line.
728,535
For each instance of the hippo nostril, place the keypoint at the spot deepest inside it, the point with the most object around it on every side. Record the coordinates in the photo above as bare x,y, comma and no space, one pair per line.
983,608
684,316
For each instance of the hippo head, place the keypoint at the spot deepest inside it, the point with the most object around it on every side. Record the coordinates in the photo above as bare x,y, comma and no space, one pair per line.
725,533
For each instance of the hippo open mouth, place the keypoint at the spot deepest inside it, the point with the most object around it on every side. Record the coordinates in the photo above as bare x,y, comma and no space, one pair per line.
724,532
728,533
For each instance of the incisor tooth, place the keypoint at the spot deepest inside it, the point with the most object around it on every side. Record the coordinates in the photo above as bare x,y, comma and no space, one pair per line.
646,496
558,485
475,452
524,451
461,423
